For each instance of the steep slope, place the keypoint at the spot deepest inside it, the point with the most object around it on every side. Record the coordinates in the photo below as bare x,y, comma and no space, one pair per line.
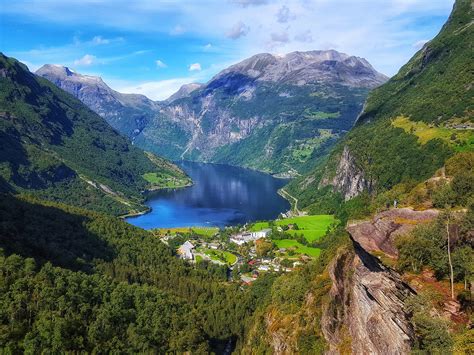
273,113
54,146
76,281
128,113
411,124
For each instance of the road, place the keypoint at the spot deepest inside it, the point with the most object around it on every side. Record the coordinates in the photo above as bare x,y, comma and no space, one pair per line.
283,192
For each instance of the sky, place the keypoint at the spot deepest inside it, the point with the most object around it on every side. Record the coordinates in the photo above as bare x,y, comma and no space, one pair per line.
153,47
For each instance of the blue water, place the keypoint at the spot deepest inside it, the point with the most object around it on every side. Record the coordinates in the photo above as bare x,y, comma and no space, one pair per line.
221,195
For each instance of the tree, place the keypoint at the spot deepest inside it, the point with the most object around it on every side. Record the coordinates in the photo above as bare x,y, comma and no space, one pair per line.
451,272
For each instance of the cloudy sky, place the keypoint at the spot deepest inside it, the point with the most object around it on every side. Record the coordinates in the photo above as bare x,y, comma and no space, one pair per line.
155,46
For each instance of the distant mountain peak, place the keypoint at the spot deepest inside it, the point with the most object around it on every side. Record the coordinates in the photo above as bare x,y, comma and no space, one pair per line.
60,72
184,91
311,66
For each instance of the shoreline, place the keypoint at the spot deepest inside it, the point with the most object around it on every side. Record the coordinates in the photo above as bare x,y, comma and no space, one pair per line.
151,191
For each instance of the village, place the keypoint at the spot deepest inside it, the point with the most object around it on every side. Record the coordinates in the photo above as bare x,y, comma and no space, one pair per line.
254,249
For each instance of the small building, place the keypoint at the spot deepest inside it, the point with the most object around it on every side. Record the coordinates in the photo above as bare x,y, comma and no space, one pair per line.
261,234
214,246
186,251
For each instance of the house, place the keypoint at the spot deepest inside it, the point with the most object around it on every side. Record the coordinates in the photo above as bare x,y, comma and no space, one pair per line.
214,246
261,234
243,238
264,268
186,251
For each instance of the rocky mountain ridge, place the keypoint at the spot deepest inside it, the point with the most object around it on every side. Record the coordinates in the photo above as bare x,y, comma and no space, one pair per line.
128,113
268,112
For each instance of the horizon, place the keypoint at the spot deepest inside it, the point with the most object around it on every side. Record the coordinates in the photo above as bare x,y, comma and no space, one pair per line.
153,48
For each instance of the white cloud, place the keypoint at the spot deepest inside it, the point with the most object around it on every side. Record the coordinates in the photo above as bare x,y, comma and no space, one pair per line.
195,67
240,29
419,44
283,15
177,30
305,36
160,64
86,60
100,40
385,37
281,37
207,47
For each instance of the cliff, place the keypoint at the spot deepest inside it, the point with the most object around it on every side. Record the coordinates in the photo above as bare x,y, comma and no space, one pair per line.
366,313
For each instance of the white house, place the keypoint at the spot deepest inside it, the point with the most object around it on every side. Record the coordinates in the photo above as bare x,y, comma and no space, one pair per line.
186,251
261,234
240,239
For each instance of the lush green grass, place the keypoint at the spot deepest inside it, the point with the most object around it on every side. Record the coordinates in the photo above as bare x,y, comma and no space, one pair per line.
221,255
312,227
164,180
459,139
204,231
299,248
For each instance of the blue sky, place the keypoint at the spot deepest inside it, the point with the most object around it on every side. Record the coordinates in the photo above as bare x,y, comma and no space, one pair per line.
154,46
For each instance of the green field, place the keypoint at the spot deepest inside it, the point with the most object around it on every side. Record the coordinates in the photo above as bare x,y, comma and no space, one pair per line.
203,231
461,140
165,180
312,227
299,248
221,255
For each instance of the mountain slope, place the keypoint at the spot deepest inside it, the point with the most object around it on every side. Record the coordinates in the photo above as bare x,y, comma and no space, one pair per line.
79,281
54,146
410,125
272,113
128,113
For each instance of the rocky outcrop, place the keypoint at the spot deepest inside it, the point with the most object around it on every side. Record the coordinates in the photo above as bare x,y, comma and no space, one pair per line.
379,233
128,113
348,179
301,68
366,313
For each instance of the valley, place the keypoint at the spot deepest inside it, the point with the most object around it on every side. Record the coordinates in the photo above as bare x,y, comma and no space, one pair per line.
291,203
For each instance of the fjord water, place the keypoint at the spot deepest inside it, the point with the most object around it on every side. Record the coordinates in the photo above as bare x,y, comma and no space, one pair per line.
221,195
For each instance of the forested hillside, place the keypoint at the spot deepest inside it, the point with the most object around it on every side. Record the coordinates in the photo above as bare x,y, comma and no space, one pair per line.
53,146
410,125
74,280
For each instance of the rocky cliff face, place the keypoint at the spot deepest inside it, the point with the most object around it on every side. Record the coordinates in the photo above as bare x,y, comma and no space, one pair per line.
274,113
366,313
379,233
348,179
128,113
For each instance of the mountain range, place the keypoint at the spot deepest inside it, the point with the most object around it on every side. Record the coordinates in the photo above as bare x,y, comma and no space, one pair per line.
55,147
74,278
426,113
273,113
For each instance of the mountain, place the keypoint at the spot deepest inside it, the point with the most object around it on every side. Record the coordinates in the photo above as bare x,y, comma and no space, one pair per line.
184,91
128,113
56,148
273,113
409,126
